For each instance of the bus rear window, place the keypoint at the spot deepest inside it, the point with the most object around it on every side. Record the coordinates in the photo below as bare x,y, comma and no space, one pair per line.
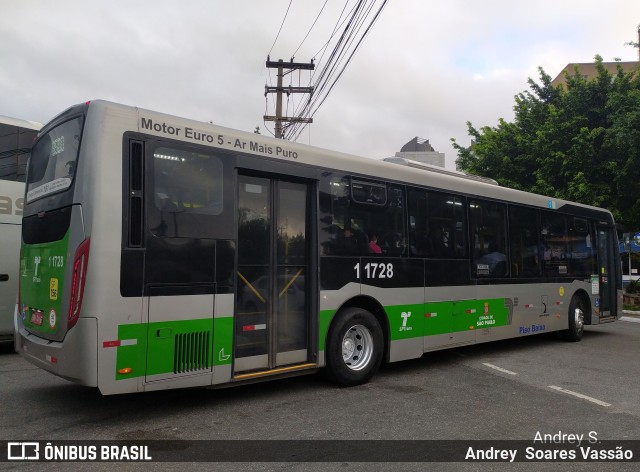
53,160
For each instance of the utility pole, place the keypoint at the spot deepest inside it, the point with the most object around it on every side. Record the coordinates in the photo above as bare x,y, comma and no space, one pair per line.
279,89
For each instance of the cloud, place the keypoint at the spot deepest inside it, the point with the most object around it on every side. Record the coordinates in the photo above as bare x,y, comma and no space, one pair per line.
425,69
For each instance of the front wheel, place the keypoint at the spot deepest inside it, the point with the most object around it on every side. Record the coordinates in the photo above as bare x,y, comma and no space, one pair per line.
354,347
577,311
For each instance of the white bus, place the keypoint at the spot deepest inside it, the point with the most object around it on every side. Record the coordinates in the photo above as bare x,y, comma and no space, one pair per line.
160,252
16,138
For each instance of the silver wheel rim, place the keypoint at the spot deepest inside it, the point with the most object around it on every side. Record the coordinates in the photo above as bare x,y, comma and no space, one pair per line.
357,347
579,319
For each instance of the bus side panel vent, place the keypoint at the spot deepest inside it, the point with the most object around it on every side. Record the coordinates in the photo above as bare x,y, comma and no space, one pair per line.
135,168
136,193
135,216
191,352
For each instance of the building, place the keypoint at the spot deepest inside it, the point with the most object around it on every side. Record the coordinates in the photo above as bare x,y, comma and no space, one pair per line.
588,69
420,150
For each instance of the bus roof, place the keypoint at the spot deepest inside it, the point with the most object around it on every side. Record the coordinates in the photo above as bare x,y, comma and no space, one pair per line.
339,161
7,120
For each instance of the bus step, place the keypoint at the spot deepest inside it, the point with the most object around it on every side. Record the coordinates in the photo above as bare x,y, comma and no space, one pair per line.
277,371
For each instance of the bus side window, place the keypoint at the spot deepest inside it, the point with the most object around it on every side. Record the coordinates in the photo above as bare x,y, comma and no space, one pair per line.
347,221
187,193
580,247
418,240
438,226
488,237
524,237
554,244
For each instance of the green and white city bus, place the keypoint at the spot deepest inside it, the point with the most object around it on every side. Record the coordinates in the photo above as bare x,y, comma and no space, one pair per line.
159,252
16,138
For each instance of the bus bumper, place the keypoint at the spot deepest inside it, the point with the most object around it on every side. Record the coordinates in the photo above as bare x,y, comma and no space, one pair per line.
74,359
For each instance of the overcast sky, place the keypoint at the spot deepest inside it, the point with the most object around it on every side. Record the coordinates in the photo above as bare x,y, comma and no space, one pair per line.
426,68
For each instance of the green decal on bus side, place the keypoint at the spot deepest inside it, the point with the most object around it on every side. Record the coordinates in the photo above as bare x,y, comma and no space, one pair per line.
222,340
325,320
179,346
411,321
438,318
132,355
449,317
480,314
173,346
405,321
42,268
153,346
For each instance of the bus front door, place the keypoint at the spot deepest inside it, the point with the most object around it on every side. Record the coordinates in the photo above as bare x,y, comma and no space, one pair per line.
272,303
606,271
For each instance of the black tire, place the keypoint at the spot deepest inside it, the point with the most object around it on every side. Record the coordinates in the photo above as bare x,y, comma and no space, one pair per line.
577,313
354,347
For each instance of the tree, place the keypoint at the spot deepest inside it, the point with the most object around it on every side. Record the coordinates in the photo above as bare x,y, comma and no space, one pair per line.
579,141
633,43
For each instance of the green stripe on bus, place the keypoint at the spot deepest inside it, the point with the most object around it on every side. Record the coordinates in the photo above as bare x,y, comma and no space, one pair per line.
323,330
154,348
222,340
132,356
464,315
411,321
428,319
150,349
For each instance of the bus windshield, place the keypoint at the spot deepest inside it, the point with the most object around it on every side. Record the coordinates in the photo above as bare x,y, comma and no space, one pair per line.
53,160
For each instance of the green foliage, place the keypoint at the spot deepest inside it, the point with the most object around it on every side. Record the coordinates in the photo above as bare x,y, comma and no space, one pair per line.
633,43
633,287
579,141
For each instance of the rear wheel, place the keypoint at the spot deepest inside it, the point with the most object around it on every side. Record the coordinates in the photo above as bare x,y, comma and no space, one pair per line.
354,347
577,313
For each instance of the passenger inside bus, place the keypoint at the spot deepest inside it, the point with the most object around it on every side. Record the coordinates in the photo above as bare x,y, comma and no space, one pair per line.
438,242
168,210
373,243
393,244
347,244
496,260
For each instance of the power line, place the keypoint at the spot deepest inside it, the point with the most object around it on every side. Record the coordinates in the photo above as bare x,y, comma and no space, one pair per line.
308,32
343,69
279,89
353,52
336,64
283,20
334,57
350,40
335,29
338,53
266,110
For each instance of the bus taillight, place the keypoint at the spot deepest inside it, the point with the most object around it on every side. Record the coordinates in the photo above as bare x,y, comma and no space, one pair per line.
80,262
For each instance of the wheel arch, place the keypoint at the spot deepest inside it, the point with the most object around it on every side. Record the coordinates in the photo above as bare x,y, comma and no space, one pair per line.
581,293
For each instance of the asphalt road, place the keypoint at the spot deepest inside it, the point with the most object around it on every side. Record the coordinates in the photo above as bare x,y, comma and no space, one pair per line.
501,391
